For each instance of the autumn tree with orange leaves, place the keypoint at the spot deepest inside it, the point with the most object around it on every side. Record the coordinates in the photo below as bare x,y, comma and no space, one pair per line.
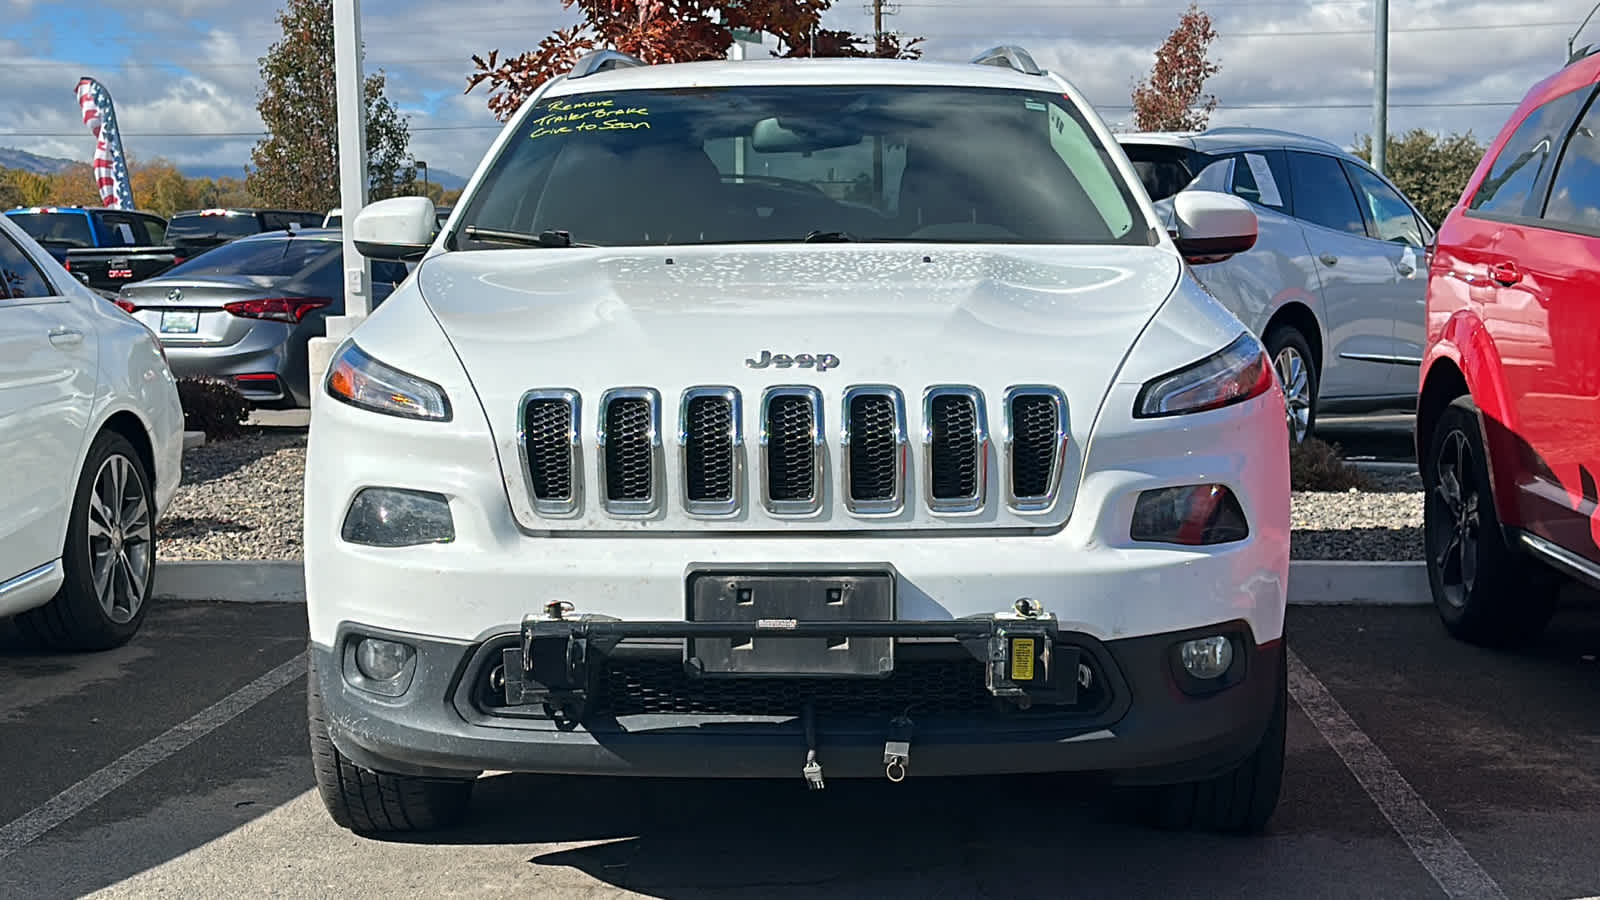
1172,98
661,31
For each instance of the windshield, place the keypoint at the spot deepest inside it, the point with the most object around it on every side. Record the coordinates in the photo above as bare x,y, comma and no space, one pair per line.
263,257
202,227
63,229
1164,170
776,164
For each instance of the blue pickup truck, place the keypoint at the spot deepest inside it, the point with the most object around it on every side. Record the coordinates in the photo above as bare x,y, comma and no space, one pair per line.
104,248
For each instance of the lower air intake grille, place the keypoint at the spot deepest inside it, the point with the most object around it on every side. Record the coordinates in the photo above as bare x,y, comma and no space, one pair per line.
791,448
874,448
547,434
708,449
953,457
1035,436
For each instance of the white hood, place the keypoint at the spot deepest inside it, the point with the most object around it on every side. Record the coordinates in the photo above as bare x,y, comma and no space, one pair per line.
677,317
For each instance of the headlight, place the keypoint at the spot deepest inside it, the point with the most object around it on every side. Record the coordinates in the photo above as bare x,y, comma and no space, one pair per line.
361,381
1234,374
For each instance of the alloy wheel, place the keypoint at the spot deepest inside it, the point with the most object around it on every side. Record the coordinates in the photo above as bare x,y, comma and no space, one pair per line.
121,539
1454,521
1295,376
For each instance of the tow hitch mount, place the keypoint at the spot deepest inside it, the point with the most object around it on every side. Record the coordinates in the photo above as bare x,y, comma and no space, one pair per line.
560,658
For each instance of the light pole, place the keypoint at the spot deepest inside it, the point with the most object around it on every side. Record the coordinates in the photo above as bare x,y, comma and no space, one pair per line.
424,167
348,82
1380,85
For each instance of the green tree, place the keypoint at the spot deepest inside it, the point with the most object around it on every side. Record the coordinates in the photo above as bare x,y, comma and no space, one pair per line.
297,165
1171,98
1431,169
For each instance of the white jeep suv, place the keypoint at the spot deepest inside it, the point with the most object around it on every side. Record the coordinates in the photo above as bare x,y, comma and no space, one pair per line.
810,419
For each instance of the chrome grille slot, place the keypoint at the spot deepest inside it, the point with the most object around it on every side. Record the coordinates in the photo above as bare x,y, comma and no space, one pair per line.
791,449
710,439
872,450
629,445
956,444
549,446
1036,445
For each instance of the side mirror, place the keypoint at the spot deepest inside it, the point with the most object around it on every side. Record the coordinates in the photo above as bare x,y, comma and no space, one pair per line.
401,228
1212,226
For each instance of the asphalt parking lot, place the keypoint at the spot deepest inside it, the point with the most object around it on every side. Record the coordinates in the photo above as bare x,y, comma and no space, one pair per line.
1417,767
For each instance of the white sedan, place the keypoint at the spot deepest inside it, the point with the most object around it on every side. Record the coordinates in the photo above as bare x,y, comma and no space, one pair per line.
91,435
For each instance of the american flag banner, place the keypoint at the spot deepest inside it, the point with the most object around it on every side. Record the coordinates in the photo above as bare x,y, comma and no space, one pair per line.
110,166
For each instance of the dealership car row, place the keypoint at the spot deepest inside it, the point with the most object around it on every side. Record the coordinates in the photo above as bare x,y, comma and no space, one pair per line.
1071,382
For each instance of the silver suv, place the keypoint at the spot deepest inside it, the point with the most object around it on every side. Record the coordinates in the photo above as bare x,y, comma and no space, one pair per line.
1335,283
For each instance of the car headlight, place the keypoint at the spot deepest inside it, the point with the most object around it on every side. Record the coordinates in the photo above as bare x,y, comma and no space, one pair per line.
361,381
1234,374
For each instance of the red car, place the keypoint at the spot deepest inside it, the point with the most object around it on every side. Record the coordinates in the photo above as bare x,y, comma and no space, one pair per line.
1508,422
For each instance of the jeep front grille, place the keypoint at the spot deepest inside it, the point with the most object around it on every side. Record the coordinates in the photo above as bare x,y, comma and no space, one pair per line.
549,443
791,449
872,449
956,442
1036,445
795,472
710,439
629,443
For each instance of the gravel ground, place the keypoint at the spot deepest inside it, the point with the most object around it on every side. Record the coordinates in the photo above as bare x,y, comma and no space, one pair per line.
1384,523
241,499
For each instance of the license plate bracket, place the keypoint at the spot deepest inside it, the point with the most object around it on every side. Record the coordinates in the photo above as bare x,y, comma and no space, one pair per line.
776,597
180,321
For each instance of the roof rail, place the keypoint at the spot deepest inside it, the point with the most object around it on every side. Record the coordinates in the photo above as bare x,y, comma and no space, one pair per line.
1247,129
1008,56
601,61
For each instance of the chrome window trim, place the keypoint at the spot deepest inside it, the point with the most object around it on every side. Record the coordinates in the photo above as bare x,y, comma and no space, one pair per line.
631,508
896,503
959,505
794,508
1046,500
574,502
713,509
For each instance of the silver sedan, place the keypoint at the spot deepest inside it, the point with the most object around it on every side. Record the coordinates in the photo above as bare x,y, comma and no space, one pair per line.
246,311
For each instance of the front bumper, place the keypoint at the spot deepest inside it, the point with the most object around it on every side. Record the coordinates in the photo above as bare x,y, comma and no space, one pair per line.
1142,724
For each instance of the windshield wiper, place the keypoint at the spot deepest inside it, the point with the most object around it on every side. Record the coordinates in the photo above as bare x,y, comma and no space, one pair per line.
830,237
542,239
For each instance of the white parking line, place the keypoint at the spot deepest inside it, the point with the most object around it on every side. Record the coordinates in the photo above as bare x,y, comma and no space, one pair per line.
1430,841
85,793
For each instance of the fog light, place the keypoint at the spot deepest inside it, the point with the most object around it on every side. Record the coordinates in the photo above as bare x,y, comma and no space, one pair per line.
1208,657
382,660
1194,515
391,517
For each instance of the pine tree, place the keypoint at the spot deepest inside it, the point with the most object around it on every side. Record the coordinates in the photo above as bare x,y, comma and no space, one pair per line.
297,165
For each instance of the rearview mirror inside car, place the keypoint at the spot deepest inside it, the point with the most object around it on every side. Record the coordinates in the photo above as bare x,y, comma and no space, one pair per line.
1211,226
400,228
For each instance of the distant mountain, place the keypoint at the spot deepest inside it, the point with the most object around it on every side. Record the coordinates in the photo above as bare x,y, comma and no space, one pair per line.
33,162
49,165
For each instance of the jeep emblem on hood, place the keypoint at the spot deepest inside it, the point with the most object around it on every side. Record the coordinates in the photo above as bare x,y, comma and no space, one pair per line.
822,362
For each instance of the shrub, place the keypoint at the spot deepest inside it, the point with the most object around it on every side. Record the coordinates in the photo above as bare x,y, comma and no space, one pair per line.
213,406
1317,465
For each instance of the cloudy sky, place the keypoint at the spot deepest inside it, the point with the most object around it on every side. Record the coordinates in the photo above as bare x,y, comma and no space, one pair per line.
184,72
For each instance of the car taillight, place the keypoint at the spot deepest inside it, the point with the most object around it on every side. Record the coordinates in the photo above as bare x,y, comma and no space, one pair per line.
278,309
128,306
66,264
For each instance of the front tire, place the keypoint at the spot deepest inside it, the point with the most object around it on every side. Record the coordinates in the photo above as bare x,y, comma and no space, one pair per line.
1487,592
109,558
368,802
1240,801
